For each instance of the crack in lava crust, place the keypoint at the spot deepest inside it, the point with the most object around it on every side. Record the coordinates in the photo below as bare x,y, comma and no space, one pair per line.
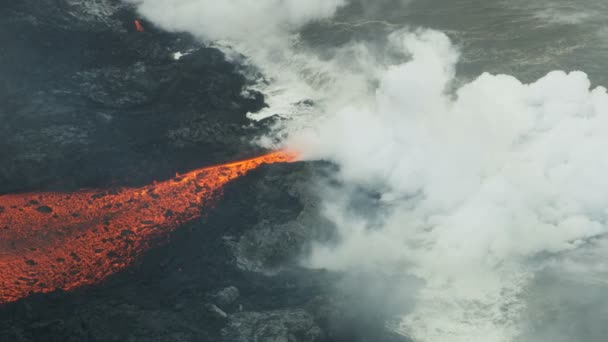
51,241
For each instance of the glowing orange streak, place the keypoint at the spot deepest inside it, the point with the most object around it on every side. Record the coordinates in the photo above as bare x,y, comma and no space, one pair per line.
51,241
138,26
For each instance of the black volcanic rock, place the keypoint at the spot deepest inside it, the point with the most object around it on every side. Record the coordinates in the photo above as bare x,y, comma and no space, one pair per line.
227,296
90,102
274,326
289,221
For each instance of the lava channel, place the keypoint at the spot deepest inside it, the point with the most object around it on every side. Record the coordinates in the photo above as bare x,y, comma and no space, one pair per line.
51,241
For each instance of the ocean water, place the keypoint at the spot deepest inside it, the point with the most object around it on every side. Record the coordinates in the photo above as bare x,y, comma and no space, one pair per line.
523,38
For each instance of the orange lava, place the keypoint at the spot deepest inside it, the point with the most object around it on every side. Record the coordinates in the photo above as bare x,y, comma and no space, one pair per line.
51,241
138,26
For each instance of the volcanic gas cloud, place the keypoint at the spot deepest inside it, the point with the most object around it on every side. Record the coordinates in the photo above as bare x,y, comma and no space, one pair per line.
51,241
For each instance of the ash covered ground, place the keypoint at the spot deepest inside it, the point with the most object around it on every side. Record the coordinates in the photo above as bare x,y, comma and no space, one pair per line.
86,101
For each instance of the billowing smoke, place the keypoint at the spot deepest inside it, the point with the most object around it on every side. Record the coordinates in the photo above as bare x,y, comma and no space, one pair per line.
482,188
487,193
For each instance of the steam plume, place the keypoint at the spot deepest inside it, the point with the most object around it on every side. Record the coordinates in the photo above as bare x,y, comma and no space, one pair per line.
482,189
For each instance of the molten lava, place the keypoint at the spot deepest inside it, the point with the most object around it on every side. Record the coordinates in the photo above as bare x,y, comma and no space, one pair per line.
51,241
138,26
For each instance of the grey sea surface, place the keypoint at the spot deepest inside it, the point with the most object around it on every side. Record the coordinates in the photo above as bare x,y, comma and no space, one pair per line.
526,39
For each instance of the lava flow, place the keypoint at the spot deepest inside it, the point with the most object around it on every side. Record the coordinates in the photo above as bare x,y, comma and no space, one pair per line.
138,26
51,241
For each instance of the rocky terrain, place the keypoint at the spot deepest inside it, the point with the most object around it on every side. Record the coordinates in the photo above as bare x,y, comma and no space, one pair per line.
87,101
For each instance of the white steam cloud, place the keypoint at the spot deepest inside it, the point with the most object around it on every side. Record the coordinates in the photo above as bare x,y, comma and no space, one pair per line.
480,186
484,185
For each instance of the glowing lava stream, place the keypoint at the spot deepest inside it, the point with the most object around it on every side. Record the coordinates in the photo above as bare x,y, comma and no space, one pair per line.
51,241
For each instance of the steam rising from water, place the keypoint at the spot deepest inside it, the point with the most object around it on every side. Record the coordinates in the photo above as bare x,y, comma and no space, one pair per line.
483,189
486,188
